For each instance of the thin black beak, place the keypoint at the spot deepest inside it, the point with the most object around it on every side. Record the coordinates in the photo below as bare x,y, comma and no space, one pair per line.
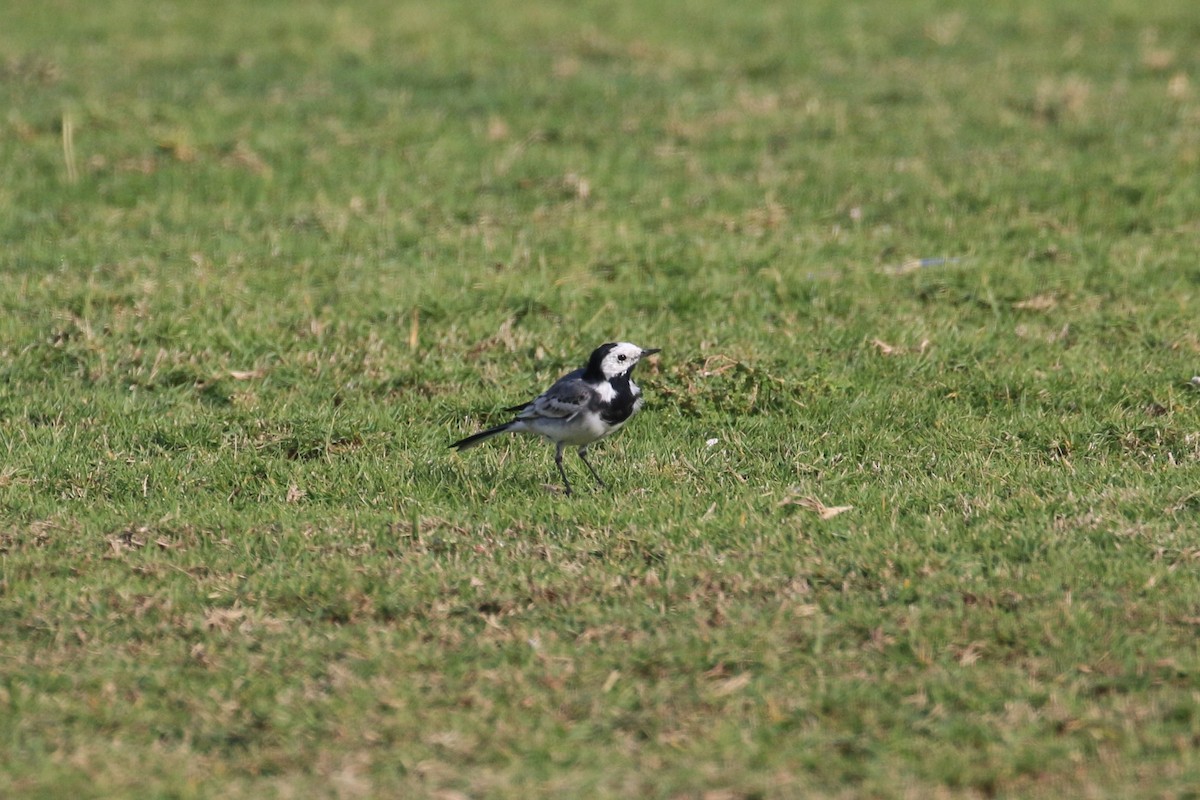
651,351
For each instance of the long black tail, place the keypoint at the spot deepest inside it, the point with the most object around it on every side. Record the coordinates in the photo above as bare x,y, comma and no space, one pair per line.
476,438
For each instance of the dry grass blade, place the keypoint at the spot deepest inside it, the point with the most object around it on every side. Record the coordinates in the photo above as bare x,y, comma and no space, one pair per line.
68,145
1041,302
814,505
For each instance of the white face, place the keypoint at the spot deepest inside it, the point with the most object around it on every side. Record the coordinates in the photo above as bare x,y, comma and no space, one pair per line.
620,359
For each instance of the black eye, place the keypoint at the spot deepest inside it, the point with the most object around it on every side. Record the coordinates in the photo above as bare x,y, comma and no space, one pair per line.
621,358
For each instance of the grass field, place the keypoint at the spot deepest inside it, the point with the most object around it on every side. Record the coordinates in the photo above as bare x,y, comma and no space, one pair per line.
886,528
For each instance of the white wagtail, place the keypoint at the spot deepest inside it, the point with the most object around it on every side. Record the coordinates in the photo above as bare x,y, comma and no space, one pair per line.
581,407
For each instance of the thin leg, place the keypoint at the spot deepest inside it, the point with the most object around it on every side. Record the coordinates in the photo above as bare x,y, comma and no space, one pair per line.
591,469
561,471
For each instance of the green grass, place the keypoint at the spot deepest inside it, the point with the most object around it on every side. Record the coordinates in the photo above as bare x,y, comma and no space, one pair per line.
263,262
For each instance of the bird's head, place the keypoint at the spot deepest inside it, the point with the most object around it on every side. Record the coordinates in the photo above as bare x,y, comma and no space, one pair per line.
616,358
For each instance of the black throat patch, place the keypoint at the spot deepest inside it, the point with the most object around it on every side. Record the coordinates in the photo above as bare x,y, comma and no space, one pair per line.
620,408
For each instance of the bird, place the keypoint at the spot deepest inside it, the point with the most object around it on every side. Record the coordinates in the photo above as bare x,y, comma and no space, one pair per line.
580,408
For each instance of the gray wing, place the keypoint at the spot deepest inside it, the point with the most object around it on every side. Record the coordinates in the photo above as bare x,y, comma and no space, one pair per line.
566,398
